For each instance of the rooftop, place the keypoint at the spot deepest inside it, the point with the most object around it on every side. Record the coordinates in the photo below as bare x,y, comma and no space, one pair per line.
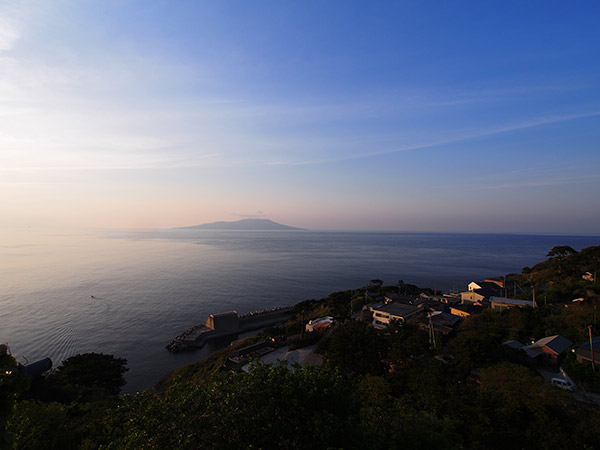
397,309
556,344
511,301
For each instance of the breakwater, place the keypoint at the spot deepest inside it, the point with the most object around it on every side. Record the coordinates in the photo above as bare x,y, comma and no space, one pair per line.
227,324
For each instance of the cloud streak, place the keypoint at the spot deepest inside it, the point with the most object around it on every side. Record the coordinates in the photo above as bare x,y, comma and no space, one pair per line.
10,29
487,132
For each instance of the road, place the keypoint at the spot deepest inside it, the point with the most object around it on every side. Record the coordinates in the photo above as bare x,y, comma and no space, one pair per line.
579,395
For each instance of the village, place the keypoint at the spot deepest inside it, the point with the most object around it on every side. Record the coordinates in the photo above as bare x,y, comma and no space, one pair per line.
439,315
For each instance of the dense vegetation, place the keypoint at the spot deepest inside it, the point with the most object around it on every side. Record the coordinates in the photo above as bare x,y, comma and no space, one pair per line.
377,390
561,277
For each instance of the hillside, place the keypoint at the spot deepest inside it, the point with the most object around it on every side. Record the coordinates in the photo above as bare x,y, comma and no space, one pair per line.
566,274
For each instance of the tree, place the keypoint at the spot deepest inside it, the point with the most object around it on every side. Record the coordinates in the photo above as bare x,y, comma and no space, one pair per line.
523,411
377,283
88,376
356,347
340,305
12,382
561,251
270,407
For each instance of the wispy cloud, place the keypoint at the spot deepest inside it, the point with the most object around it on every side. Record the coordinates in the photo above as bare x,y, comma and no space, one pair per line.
466,136
258,215
114,116
10,30
547,182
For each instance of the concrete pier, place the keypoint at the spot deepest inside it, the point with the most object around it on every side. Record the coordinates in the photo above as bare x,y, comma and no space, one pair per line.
227,324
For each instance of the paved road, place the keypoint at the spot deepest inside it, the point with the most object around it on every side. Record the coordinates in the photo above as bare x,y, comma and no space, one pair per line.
580,395
301,356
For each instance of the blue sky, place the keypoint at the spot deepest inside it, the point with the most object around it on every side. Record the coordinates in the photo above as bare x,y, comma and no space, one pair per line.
409,116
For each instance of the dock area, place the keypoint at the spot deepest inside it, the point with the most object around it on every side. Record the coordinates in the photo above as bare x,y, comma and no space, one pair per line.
227,324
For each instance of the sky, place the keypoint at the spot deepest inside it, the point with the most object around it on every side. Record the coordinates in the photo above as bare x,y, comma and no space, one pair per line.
339,115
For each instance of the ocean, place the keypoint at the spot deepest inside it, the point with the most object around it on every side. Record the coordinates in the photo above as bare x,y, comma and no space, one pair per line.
149,285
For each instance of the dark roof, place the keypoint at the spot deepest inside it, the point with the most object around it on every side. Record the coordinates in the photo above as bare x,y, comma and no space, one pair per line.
445,319
513,344
511,301
393,297
556,344
595,343
488,289
442,329
584,349
435,305
398,309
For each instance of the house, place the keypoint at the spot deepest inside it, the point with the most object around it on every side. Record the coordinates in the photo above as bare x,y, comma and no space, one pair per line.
508,284
588,276
478,291
501,303
392,297
320,324
514,345
450,299
384,314
442,322
465,310
584,352
473,286
471,297
434,305
550,347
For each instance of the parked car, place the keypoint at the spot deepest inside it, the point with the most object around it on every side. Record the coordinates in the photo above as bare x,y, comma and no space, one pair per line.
562,384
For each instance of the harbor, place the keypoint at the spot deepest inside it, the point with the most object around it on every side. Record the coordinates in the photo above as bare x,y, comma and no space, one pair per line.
227,324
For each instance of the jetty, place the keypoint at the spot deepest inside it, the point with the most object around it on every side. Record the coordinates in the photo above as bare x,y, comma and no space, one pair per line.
227,324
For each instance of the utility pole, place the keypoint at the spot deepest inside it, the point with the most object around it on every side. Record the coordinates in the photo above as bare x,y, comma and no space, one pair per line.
431,333
532,288
592,350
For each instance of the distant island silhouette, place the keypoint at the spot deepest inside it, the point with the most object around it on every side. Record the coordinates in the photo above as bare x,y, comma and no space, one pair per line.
244,224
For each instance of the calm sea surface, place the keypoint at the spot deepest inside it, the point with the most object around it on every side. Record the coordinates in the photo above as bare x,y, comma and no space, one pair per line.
151,285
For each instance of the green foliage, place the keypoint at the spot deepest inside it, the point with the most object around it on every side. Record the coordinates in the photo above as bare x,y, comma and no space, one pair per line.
87,377
376,283
12,382
582,373
407,343
308,339
208,367
410,290
355,347
40,426
339,303
271,407
561,251
479,339
564,264
520,408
